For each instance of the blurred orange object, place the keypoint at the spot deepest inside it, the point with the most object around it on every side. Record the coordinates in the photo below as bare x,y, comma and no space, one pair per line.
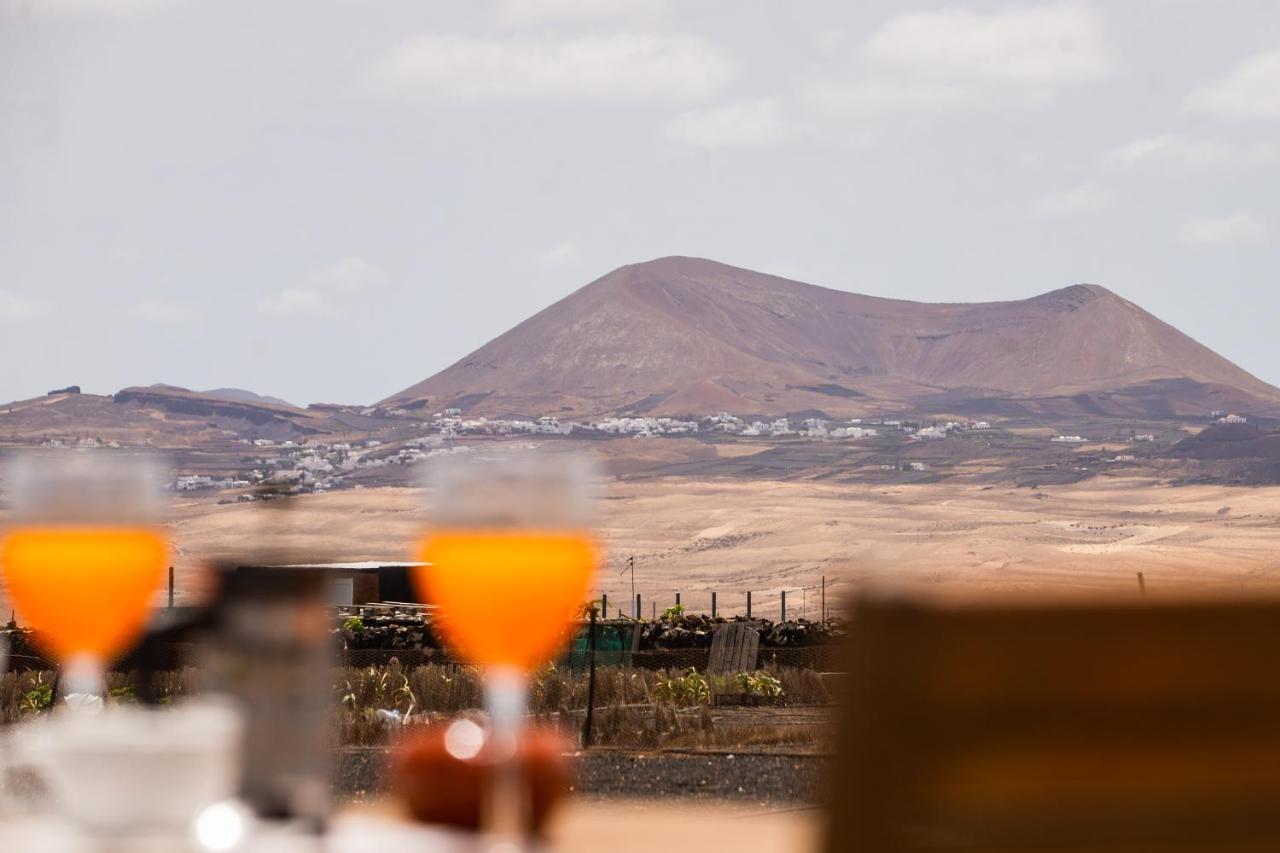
444,775
508,597
85,590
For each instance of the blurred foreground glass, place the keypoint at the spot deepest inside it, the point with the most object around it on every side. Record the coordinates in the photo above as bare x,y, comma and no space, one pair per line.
84,555
509,559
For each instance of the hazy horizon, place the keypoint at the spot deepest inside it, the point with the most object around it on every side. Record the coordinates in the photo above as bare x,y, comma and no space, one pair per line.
331,201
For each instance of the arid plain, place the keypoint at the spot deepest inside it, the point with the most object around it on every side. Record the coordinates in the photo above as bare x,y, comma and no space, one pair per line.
731,535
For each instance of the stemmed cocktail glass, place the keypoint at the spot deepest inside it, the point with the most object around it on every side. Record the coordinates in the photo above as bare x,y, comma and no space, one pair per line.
83,555
509,560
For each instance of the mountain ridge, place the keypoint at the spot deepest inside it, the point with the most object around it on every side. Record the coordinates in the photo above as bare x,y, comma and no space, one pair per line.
701,335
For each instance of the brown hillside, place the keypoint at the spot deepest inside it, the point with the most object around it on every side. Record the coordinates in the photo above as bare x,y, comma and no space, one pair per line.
689,335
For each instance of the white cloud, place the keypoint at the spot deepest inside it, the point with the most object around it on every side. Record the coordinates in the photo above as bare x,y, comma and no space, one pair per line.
932,63
602,67
872,97
1085,198
69,8
296,301
1049,45
350,274
526,11
15,307
156,311
741,124
327,289
1250,90
1200,153
1225,232
559,256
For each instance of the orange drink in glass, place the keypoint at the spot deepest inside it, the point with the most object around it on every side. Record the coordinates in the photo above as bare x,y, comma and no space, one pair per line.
508,597
85,590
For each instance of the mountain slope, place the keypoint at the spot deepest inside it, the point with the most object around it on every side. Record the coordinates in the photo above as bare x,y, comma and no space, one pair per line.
691,335
244,396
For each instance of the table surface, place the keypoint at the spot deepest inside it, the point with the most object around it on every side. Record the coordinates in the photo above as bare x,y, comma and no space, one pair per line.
616,826
619,826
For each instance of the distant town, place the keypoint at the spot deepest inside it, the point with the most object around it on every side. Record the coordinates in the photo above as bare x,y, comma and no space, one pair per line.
274,467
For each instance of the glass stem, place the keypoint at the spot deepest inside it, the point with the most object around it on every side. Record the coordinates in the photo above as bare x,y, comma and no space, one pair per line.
506,691
84,682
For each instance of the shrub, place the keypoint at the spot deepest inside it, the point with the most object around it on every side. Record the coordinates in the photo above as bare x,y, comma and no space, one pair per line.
689,689
760,684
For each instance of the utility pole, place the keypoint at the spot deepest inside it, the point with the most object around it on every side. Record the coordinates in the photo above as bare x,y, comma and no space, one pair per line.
631,567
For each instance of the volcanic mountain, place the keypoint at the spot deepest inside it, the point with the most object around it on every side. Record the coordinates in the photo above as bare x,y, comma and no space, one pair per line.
692,336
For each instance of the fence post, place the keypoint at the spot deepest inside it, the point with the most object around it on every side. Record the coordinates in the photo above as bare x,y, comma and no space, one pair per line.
638,612
713,605
824,598
171,587
591,680
677,599
784,605
653,608
748,604
604,604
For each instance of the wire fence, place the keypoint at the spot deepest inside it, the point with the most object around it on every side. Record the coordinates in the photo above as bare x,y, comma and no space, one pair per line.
820,658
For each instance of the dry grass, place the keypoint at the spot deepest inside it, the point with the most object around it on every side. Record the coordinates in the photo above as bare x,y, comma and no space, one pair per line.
634,707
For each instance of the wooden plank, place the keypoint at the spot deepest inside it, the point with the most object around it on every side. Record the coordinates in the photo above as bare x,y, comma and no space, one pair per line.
719,639
750,650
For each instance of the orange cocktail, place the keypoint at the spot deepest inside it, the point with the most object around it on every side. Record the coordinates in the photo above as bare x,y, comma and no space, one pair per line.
86,590
507,597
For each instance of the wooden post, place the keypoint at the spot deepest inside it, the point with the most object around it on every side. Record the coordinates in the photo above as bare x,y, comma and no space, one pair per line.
784,605
824,598
653,607
604,604
171,587
748,604
677,599
1142,585
713,605
591,681
638,611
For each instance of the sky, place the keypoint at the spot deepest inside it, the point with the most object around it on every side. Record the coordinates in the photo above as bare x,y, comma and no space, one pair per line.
330,200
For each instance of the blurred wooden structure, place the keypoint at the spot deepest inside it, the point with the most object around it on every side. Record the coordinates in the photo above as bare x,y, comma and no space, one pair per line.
1134,728
734,648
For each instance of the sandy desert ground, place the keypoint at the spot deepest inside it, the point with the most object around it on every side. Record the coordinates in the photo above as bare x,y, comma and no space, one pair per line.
734,535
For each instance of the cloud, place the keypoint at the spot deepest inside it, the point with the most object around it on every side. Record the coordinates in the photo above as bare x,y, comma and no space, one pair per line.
595,67
875,97
156,311
1048,45
1085,198
1250,91
559,256
296,301
932,63
740,124
15,307
88,8
1199,153
351,274
527,11
1226,232
327,289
